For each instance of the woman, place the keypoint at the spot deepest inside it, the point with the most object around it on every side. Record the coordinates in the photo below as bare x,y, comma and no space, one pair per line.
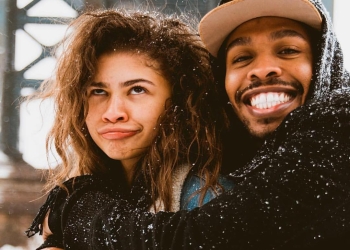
137,112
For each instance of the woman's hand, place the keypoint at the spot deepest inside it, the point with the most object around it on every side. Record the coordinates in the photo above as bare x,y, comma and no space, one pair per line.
50,239
46,229
47,232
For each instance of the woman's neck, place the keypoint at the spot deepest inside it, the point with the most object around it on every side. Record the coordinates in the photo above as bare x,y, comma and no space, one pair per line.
129,169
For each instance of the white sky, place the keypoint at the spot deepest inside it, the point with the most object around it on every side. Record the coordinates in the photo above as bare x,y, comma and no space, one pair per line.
341,19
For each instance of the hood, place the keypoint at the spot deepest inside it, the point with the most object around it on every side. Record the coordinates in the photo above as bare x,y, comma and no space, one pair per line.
329,72
329,79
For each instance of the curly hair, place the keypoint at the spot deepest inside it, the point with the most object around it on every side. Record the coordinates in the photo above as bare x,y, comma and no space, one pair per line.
188,131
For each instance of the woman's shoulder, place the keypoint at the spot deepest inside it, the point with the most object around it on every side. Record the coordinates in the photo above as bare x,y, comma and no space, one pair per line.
190,195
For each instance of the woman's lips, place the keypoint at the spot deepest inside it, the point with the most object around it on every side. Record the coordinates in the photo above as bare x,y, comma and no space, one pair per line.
117,134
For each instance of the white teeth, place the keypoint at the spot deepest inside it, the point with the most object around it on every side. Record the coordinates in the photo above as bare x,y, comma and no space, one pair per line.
268,100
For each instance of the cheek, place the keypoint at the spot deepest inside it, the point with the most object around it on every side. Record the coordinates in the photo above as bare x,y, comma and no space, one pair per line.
231,87
305,73
96,108
92,117
89,117
150,120
89,125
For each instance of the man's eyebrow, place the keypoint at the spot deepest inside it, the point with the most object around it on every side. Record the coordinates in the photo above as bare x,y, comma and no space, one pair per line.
286,33
238,42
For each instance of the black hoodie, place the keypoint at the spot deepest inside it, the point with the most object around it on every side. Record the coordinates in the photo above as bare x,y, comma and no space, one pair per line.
293,194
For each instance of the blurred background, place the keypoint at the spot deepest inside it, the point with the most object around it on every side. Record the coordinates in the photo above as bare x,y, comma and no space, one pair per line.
29,29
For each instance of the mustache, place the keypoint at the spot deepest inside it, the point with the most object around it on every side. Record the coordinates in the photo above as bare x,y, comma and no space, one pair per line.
270,82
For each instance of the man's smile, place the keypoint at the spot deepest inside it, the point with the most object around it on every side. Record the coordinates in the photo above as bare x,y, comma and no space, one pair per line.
268,100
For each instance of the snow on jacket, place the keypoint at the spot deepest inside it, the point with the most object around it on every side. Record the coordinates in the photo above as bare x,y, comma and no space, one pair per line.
294,193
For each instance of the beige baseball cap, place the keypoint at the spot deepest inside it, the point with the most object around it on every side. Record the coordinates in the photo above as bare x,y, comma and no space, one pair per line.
217,24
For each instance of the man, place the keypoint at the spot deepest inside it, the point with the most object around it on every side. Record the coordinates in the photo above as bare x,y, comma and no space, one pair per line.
282,69
269,81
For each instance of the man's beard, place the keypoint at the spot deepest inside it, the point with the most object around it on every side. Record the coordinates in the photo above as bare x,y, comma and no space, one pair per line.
261,134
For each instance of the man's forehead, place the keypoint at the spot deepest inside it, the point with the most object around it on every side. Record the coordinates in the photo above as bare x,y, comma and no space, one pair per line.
274,27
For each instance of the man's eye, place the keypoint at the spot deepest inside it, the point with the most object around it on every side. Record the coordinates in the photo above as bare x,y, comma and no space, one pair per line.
288,51
137,90
241,59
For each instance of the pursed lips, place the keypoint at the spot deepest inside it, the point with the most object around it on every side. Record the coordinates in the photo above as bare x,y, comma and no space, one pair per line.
116,134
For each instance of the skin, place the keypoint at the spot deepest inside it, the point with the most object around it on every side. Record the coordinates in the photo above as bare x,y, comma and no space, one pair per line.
268,71
125,100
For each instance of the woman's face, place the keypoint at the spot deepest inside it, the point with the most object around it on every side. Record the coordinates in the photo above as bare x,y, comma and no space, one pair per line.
125,101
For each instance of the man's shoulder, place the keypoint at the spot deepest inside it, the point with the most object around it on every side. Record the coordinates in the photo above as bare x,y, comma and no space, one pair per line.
317,118
335,107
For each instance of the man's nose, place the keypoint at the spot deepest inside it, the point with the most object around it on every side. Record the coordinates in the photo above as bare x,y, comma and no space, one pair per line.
263,68
116,111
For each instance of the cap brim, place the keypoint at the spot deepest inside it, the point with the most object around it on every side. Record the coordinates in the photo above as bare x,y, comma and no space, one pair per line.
217,24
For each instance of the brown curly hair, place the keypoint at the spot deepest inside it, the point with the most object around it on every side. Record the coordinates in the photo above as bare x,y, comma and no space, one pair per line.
188,131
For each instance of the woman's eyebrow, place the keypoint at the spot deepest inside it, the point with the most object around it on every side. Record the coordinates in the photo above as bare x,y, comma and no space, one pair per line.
98,85
134,81
122,84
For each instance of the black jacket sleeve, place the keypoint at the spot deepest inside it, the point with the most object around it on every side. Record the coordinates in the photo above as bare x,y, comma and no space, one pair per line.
53,207
86,194
295,194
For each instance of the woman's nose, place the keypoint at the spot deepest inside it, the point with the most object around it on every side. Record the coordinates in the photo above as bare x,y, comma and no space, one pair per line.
116,111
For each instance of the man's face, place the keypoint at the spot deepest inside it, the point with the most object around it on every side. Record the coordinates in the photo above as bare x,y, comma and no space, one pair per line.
268,71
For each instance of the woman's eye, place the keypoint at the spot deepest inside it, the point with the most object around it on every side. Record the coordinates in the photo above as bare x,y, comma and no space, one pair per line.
98,92
137,90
